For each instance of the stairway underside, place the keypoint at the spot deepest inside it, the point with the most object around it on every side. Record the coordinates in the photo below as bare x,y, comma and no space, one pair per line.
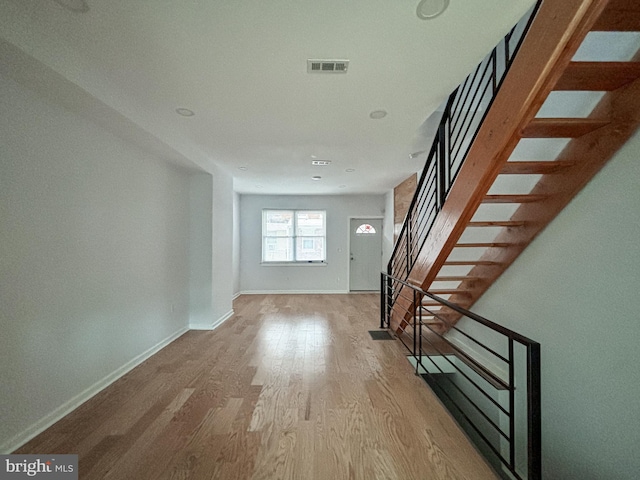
558,118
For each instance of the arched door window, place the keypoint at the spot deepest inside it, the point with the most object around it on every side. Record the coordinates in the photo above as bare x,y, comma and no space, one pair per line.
365,229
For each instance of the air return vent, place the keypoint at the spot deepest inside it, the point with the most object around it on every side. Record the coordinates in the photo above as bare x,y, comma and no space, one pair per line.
327,66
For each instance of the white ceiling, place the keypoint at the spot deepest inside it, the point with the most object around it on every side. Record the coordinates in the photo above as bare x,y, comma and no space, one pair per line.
241,67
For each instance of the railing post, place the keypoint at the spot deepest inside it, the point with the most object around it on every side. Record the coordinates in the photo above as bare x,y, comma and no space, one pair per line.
414,328
533,413
419,363
409,222
383,299
512,406
441,166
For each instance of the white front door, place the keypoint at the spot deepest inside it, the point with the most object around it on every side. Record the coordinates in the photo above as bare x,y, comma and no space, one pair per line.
366,254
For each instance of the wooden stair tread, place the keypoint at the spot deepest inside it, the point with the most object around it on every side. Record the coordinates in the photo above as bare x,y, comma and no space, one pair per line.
507,223
598,76
562,127
484,245
524,198
463,263
619,16
525,168
447,291
455,278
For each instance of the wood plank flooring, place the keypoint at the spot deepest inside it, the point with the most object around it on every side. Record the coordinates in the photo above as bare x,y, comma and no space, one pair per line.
291,387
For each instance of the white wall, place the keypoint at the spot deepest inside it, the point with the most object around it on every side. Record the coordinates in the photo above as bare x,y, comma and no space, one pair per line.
211,249
236,244
94,269
575,290
222,245
334,276
200,253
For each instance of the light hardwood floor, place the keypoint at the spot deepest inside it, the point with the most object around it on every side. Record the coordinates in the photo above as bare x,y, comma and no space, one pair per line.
291,387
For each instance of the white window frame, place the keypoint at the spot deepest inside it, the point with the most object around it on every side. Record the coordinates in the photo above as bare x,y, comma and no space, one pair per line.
295,238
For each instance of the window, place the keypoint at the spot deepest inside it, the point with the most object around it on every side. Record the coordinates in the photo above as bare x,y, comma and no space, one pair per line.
293,236
365,229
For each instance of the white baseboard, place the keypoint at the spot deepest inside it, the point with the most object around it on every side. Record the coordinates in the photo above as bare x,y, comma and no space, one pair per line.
70,405
214,325
294,292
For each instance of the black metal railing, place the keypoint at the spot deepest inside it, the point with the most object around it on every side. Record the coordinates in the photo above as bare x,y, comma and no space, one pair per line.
488,376
462,117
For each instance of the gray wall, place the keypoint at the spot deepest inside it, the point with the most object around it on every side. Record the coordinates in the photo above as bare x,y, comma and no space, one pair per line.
94,268
575,290
332,278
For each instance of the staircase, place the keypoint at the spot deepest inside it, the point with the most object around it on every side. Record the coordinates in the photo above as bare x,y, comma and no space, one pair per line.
570,100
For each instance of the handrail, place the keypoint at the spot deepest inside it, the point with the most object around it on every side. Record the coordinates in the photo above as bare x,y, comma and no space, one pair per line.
463,115
495,370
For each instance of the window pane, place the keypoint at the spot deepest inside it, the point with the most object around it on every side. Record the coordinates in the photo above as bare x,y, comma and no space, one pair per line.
310,249
293,235
310,223
365,229
277,223
277,249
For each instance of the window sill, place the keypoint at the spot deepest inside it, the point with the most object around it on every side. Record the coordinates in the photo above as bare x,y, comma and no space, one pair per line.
293,264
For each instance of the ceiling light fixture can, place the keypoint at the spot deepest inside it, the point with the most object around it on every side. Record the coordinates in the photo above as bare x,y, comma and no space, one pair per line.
428,9
185,112
378,114
316,178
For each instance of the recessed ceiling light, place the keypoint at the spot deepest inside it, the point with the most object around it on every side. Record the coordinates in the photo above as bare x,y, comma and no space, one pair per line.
416,154
185,112
428,9
378,114
349,170
242,168
316,178
321,162
78,6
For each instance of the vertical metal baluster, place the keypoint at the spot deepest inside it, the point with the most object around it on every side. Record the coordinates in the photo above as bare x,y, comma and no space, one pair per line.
420,334
415,306
512,406
534,434
441,169
383,299
494,74
409,222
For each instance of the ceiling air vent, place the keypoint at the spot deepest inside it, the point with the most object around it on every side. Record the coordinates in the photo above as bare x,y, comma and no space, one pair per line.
327,66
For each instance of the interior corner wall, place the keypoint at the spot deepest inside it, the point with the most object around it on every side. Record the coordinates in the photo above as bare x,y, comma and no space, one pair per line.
330,278
222,245
211,249
94,268
236,244
200,251
575,290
